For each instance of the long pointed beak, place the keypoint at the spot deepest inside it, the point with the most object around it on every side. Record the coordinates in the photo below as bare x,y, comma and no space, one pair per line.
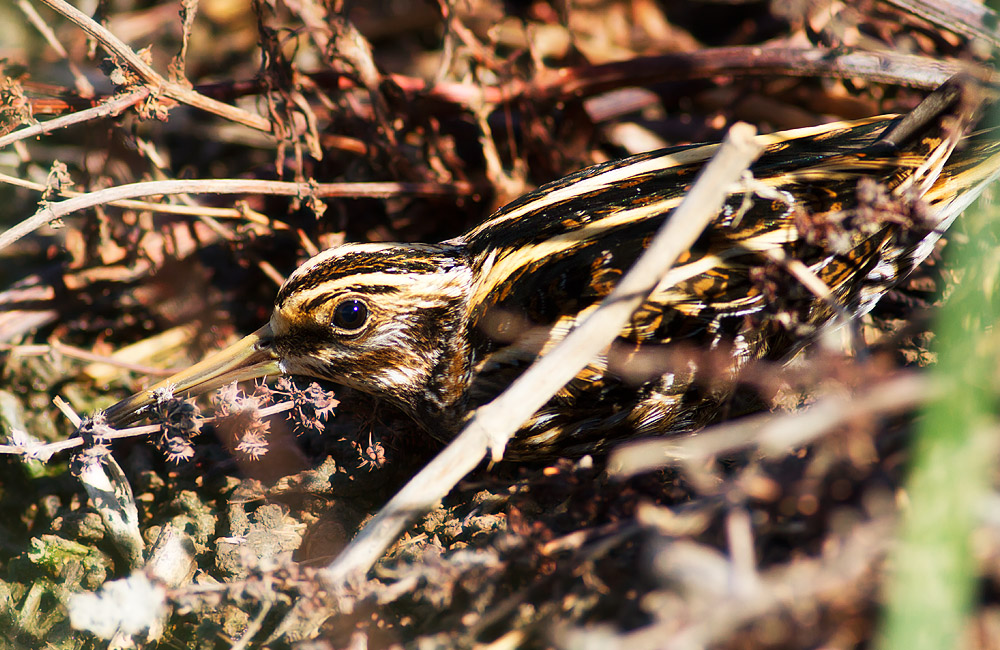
249,358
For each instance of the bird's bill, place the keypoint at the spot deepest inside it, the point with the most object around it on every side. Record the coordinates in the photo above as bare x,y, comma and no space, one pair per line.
249,358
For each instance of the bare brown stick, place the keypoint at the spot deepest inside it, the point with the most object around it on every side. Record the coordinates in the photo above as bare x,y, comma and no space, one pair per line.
772,433
55,211
57,347
908,70
883,67
585,81
495,423
244,213
969,19
108,108
157,83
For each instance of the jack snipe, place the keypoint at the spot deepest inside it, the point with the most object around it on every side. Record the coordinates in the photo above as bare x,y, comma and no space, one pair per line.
439,329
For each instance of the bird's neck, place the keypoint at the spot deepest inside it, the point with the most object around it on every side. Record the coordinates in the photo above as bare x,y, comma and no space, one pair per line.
441,402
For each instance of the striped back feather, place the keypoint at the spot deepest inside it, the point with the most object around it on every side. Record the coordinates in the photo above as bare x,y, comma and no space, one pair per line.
858,214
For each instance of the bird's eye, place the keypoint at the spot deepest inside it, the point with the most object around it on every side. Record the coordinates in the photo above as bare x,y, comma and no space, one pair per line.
350,315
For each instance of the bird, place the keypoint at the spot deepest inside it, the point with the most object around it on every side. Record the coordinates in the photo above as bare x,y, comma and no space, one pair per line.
438,330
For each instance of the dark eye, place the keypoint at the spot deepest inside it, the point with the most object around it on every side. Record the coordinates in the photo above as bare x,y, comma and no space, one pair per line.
350,315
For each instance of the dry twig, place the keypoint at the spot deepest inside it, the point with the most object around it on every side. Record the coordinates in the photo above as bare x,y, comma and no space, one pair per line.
55,211
156,82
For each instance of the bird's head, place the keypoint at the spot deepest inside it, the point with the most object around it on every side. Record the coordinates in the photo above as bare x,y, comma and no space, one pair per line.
386,319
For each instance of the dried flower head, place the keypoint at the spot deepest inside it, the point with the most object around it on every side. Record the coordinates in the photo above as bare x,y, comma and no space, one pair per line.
372,455
96,435
313,405
240,420
179,422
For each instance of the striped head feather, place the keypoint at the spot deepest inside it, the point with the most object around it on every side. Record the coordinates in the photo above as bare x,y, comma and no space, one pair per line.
387,319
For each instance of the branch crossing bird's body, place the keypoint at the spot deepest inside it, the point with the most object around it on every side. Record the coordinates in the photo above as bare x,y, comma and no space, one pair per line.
441,329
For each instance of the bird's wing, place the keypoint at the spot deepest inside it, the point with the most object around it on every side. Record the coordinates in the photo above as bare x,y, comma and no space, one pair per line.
848,208
835,200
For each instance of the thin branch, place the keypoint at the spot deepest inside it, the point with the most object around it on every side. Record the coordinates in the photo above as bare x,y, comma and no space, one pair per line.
58,210
109,108
495,423
970,19
882,67
254,626
242,213
908,70
58,347
67,410
772,433
156,83
47,450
